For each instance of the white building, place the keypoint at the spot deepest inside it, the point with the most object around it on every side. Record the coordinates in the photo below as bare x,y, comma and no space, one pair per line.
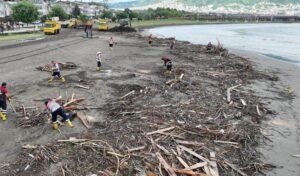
42,5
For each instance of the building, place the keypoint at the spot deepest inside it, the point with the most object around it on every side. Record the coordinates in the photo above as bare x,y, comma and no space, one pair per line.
42,5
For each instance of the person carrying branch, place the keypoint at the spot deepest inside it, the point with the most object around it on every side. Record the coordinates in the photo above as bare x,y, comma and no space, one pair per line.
98,59
56,72
55,109
3,97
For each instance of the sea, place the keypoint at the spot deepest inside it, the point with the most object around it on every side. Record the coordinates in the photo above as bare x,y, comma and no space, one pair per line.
276,40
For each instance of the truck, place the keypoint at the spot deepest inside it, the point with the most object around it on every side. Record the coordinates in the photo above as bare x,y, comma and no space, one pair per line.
103,26
76,23
52,27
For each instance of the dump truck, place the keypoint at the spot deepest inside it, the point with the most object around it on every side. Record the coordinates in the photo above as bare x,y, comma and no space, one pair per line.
75,23
103,25
52,27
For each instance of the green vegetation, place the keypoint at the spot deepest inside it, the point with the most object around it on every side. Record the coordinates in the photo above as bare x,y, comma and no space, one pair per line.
107,14
58,11
25,12
83,17
164,22
19,36
160,13
76,11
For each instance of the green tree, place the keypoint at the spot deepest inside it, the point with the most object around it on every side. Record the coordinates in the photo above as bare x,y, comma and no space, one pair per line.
122,15
58,11
25,12
107,14
76,11
133,14
83,17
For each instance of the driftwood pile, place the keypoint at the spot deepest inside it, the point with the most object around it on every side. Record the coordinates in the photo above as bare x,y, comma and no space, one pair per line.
63,66
31,116
34,116
122,29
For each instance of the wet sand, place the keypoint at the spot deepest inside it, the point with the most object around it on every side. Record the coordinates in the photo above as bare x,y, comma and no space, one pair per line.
284,128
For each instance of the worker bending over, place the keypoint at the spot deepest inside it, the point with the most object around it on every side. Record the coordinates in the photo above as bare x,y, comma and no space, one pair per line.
55,110
3,97
56,72
167,64
98,59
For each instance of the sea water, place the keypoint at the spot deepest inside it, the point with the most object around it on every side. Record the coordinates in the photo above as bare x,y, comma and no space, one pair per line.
276,40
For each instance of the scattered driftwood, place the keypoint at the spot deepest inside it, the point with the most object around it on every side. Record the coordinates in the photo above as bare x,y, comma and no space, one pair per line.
172,82
63,66
151,132
161,130
126,95
229,92
167,167
226,142
81,86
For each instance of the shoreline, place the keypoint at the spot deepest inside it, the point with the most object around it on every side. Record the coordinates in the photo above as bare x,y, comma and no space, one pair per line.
283,128
193,24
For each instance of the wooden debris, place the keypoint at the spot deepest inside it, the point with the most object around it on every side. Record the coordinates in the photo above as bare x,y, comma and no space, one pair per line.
73,101
81,86
28,146
167,167
136,149
235,169
84,121
161,130
226,142
296,156
189,172
258,111
126,95
194,153
229,92
196,166
213,165
194,143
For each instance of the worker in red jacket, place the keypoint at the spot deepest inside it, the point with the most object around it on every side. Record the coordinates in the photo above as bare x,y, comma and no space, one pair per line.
168,64
166,60
3,97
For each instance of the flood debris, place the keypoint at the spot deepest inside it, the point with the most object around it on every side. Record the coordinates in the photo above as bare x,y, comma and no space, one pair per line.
122,29
63,66
32,116
201,122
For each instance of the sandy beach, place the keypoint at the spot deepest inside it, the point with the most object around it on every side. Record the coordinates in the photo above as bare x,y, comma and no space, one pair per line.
195,108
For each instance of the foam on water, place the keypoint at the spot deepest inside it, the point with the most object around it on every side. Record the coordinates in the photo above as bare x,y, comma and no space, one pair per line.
279,41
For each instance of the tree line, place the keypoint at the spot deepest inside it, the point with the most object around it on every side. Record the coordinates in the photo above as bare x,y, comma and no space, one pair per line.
27,12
